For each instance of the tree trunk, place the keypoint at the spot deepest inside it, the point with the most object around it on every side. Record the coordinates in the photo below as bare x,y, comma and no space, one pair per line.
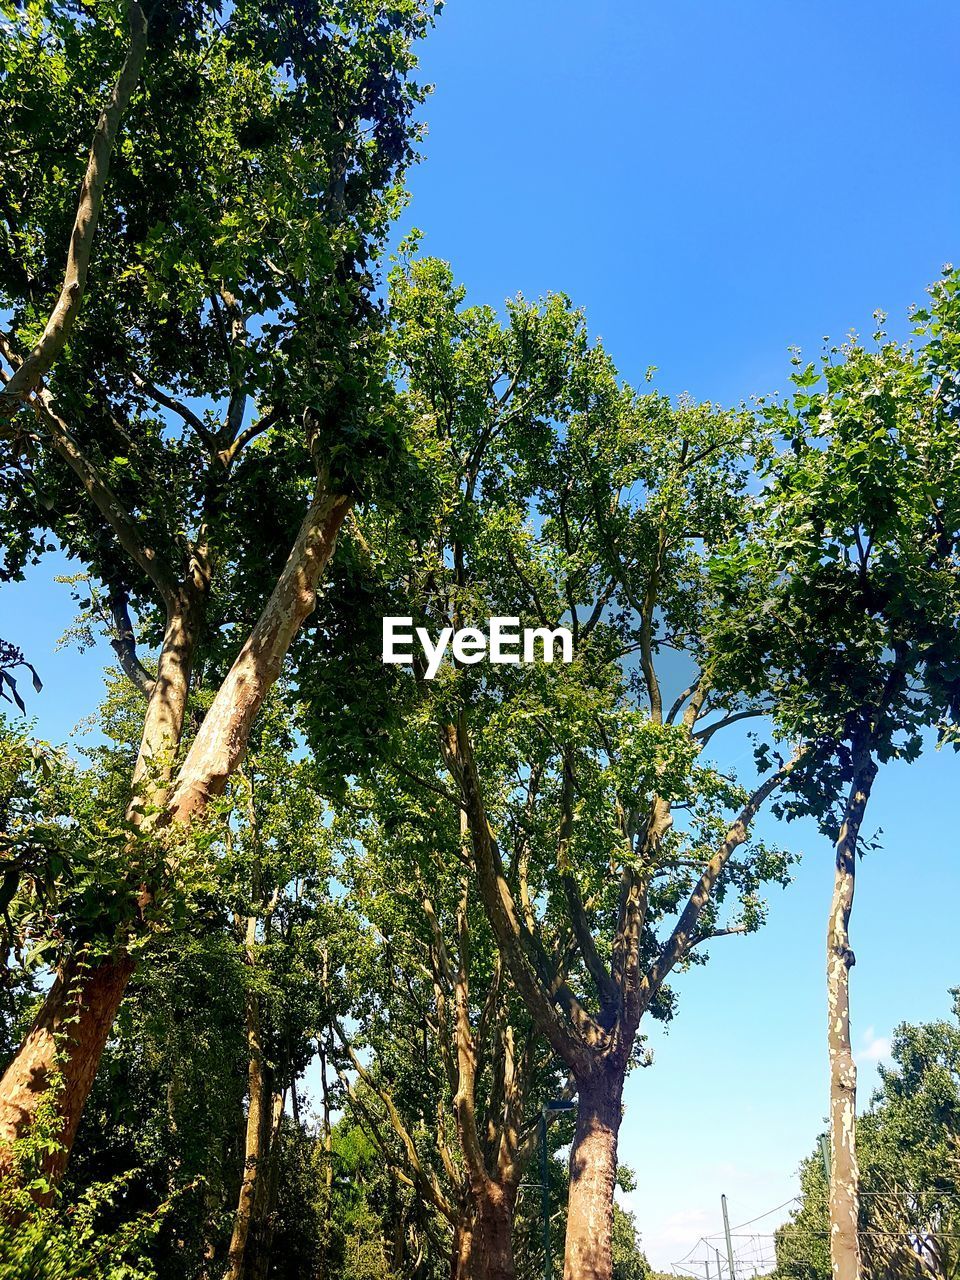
483,1242
222,741
588,1254
260,1242
217,750
256,1145
90,997
844,1174
462,1243
67,1037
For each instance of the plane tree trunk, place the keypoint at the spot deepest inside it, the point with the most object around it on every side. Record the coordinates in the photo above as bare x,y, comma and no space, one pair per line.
71,1029
593,1176
483,1239
844,1174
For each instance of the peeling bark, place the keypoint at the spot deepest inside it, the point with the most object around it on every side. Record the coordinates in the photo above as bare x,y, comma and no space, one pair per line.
844,1173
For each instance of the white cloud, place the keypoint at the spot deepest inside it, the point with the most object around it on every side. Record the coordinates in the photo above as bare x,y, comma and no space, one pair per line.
664,1240
873,1048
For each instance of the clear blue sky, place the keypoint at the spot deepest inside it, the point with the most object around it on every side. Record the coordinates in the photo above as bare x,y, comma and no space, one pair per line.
714,182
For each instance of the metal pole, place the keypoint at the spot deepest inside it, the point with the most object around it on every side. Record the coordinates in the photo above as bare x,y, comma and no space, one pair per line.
719,1272
825,1154
545,1196
726,1232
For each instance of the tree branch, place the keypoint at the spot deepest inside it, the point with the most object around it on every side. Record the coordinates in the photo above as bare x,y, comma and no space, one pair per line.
124,644
607,989
38,363
708,730
103,498
170,402
683,935
526,967
425,1179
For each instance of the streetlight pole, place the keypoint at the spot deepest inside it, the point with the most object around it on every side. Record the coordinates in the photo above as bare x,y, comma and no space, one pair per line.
726,1231
561,1104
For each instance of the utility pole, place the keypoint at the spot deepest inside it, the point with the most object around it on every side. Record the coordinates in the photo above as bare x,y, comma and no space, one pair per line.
726,1232
825,1155
561,1104
719,1272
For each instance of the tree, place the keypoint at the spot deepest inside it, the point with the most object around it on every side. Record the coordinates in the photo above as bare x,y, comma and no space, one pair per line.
629,1260
851,620
65,848
222,1011
221,404
453,1093
563,496
277,866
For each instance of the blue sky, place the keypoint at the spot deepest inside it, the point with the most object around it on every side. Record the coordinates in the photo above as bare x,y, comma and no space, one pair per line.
713,182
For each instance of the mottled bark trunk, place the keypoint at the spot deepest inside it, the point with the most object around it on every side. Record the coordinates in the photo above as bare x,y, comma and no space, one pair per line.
844,1173
222,741
68,1036
462,1244
588,1253
167,704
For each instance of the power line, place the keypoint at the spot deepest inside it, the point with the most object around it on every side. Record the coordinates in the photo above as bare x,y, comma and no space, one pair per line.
764,1215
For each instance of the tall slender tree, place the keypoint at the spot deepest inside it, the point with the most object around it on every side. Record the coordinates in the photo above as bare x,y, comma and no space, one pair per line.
851,621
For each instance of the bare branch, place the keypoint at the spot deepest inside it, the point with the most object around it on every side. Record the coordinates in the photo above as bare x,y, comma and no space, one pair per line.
38,363
708,730
717,933
175,406
242,439
124,645
607,989
677,706
424,1177
684,932
103,497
